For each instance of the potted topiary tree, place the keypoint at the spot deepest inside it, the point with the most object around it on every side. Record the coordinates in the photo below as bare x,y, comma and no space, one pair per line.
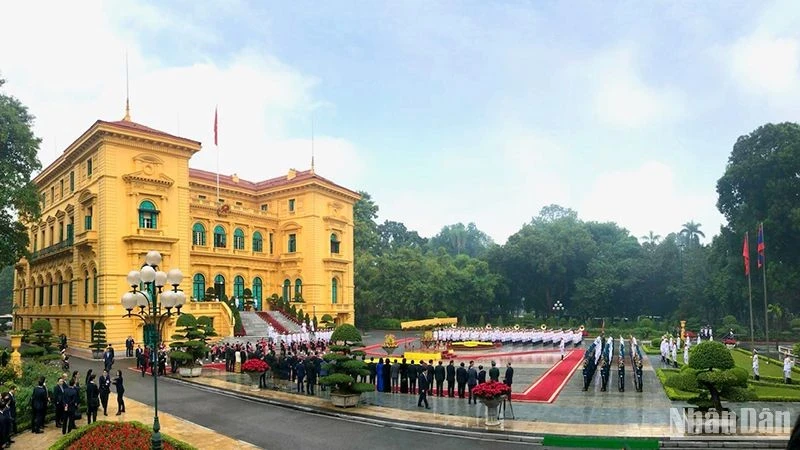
98,340
247,295
326,320
344,370
189,346
211,295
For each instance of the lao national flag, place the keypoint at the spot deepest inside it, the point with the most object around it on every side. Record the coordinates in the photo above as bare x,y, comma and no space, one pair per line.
761,246
746,255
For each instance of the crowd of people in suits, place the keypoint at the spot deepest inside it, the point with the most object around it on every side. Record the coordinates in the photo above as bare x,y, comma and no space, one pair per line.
65,399
427,378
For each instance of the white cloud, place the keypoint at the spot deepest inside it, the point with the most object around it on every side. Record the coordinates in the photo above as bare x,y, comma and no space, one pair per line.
504,180
648,198
622,98
77,76
763,64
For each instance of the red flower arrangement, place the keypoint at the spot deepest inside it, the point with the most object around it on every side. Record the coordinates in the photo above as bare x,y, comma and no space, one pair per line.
255,365
116,435
491,391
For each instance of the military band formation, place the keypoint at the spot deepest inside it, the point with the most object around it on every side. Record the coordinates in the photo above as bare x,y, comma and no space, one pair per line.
508,335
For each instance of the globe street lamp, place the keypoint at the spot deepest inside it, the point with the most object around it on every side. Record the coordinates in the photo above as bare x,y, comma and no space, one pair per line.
558,308
155,310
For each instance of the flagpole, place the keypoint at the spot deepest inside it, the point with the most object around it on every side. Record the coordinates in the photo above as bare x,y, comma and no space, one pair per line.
764,278
216,145
749,289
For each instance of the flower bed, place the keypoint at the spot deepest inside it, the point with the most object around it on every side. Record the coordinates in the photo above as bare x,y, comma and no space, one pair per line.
116,435
493,390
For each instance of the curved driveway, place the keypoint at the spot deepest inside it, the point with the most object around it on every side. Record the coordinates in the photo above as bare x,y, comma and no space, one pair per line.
274,427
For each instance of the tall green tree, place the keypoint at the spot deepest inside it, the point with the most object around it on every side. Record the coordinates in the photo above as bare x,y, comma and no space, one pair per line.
458,239
760,184
18,195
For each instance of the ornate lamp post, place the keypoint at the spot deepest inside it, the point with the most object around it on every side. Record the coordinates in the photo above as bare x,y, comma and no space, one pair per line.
558,308
155,310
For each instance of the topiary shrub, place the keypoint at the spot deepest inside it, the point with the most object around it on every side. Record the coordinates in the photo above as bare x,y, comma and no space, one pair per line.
43,334
326,320
346,333
189,342
711,355
344,370
32,352
712,367
646,322
98,339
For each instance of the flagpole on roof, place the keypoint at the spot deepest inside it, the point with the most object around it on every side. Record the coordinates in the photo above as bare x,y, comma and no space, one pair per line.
216,144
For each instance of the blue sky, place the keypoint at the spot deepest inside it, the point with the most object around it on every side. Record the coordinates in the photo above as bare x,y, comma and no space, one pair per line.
444,111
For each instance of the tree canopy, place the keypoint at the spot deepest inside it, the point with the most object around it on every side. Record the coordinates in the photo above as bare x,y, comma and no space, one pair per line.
599,269
18,195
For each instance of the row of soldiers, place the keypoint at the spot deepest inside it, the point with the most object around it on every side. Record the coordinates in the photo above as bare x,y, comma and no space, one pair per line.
508,335
599,355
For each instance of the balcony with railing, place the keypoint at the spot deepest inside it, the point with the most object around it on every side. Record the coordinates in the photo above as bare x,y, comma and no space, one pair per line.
53,250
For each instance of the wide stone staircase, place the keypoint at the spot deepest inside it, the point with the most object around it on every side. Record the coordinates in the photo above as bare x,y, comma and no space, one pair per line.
253,324
284,322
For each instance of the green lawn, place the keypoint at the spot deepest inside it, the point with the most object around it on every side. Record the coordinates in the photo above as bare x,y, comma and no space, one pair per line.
776,392
745,361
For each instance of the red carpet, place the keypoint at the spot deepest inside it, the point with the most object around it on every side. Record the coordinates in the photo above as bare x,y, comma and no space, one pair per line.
548,386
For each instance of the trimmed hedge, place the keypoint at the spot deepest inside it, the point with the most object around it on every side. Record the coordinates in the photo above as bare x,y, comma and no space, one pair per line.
65,441
673,393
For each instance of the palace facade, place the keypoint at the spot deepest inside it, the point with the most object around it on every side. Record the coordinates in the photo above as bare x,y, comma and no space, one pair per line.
122,189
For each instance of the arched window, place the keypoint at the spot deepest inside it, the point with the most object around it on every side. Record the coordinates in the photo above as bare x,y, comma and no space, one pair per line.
298,289
238,286
199,286
148,215
198,234
219,285
219,236
334,244
238,239
334,291
287,286
258,242
257,291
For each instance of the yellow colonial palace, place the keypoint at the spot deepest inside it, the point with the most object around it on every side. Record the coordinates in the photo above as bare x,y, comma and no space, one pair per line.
122,189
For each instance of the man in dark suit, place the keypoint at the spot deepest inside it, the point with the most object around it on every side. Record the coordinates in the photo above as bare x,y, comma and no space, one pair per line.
12,406
481,375
108,358
422,380
509,378
104,386
39,406
5,424
472,381
429,370
139,356
461,380
7,441
70,408
129,347
494,372
439,376
58,401
372,366
451,378
413,369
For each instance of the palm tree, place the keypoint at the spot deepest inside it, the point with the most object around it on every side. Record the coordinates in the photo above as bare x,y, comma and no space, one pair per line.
777,314
651,239
691,232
